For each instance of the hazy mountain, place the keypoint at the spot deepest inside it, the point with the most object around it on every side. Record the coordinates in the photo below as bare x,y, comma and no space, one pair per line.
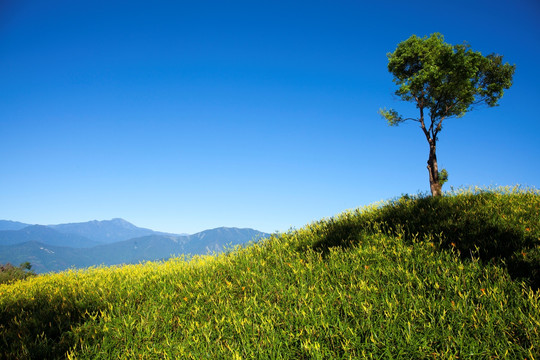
44,258
106,231
217,239
11,225
152,247
155,247
45,235
48,257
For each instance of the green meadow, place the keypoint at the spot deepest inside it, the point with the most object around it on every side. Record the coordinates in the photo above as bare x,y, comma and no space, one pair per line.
416,277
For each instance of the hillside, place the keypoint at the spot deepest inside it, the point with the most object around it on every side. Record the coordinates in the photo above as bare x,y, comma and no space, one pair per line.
415,277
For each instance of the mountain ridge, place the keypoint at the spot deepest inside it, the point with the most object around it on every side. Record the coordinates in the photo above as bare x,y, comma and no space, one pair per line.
45,234
106,231
55,248
12,225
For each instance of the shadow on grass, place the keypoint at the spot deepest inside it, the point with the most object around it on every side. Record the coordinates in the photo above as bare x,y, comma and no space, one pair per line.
40,327
468,223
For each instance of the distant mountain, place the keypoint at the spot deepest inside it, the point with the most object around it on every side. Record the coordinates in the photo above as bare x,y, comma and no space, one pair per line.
45,235
44,258
217,239
48,257
11,225
146,248
106,231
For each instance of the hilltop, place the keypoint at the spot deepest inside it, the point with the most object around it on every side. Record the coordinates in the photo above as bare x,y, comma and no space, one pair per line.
414,277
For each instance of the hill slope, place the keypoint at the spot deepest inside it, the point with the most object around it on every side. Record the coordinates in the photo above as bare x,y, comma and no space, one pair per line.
377,282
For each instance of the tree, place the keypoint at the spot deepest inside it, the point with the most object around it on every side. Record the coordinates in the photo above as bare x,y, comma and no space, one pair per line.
10,273
444,81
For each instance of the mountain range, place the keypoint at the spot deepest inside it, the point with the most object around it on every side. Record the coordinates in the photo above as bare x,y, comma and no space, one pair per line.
109,242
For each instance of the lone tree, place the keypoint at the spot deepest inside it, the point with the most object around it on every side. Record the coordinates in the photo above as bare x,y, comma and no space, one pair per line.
444,81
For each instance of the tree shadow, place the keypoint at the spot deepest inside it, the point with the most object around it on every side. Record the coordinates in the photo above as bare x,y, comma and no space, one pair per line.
466,226
342,234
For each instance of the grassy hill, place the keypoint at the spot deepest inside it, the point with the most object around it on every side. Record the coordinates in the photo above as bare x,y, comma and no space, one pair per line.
415,277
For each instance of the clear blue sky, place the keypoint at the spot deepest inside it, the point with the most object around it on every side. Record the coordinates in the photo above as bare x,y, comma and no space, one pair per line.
186,115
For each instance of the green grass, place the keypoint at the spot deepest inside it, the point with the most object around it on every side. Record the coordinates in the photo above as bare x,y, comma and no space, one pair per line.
415,277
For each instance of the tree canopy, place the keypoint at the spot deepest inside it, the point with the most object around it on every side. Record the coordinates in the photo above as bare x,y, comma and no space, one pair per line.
444,81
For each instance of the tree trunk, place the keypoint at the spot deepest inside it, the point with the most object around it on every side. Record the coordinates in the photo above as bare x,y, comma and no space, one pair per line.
433,169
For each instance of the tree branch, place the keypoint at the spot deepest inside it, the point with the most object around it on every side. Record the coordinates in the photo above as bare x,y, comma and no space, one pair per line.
423,125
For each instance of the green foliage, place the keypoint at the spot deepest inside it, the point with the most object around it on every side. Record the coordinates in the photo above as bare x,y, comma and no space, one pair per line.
354,286
448,80
10,273
443,177
393,118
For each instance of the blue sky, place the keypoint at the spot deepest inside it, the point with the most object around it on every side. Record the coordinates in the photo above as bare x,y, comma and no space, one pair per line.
183,116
